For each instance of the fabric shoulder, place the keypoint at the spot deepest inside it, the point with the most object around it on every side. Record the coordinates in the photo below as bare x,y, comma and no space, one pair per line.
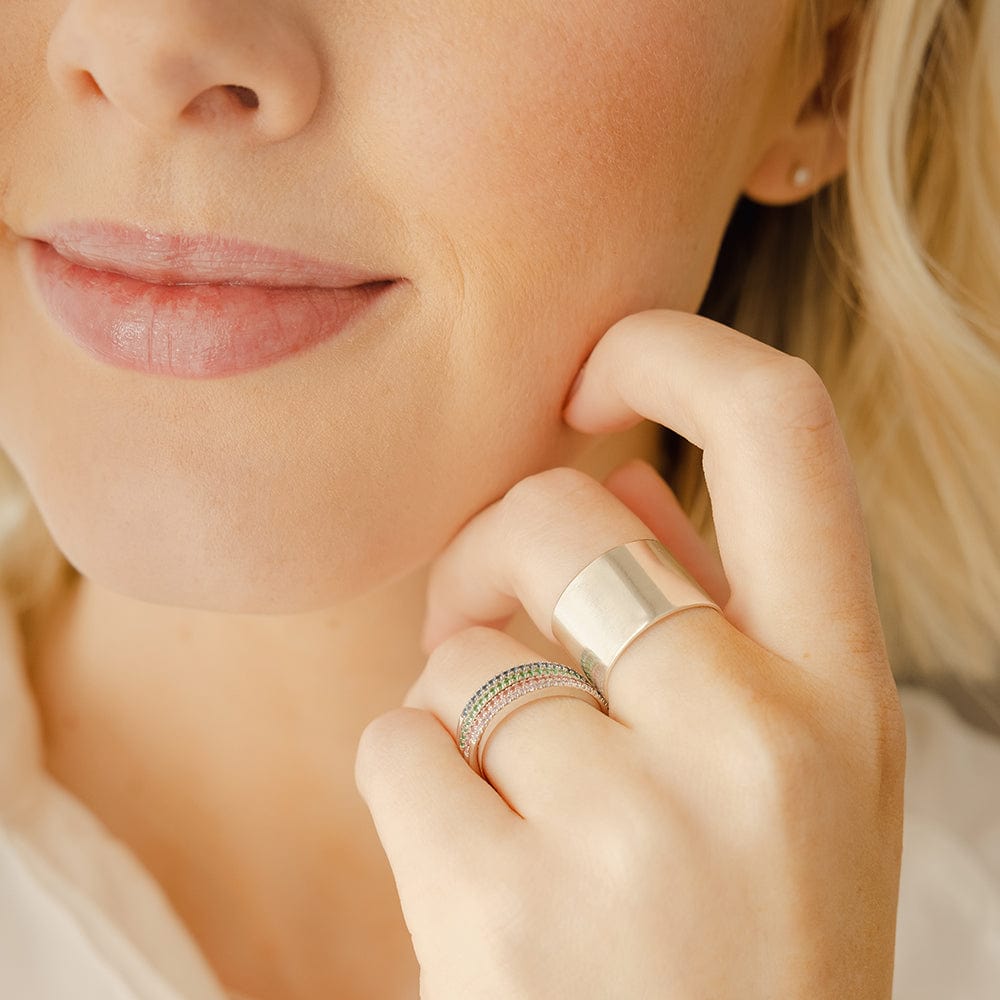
80,917
20,733
953,770
948,921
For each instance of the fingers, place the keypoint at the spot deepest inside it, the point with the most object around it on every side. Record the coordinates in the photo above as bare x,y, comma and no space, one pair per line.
525,548
641,488
784,500
538,754
419,791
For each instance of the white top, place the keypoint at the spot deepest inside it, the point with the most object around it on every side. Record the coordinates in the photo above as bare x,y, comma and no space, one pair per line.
82,919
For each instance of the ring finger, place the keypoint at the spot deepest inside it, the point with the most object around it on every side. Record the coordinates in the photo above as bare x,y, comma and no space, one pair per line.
538,753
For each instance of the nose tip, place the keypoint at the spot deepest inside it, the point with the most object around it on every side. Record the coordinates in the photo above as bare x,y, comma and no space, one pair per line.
213,65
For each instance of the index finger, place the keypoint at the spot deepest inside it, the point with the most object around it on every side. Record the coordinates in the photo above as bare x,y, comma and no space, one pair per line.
784,499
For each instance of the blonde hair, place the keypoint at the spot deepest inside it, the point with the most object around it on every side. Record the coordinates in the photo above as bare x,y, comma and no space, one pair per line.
887,283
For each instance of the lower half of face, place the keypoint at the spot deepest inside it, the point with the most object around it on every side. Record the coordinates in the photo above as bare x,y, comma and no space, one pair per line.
539,191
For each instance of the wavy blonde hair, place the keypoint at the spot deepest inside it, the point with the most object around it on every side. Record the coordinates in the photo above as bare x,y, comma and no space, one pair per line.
888,283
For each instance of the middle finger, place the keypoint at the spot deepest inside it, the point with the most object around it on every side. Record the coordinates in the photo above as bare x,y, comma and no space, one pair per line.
537,755
528,546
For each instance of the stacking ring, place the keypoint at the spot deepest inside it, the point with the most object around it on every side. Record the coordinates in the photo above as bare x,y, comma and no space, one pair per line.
511,689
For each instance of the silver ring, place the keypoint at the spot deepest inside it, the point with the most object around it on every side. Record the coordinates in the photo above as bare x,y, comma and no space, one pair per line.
615,598
509,690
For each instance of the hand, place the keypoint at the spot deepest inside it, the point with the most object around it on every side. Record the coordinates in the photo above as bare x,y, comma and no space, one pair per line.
733,828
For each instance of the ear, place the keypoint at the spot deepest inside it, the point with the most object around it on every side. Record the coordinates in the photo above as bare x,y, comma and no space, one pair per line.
811,150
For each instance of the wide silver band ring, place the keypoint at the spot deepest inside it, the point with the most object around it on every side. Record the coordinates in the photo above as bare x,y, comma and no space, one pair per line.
615,598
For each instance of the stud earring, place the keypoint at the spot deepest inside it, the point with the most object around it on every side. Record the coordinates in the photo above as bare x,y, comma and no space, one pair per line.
801,176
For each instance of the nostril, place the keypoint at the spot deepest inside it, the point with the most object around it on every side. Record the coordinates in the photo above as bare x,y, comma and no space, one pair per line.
83,84
220,103
247,97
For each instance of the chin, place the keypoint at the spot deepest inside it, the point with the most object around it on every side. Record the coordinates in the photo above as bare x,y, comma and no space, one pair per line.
254,571
263,589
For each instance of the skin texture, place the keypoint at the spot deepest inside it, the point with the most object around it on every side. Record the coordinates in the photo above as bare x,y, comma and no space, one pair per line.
733,828
262,544
528,212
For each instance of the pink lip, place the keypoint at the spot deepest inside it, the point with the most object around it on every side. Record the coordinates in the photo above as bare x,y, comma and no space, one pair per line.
192,306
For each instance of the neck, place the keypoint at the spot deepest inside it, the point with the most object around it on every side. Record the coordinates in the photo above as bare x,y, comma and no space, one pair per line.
344,665
225,744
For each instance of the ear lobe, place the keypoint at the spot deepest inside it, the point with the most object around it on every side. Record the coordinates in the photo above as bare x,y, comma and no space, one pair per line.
812,150
799,164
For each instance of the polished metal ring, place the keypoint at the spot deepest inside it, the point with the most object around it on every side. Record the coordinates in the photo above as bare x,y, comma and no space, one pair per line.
615,598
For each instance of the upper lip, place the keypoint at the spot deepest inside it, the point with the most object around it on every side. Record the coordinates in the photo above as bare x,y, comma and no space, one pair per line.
197,259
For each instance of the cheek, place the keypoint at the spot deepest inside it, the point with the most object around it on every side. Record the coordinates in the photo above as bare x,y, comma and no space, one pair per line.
287,491
527,136
556,171
567,168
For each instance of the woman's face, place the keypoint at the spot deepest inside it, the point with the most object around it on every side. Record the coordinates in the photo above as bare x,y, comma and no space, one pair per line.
533,170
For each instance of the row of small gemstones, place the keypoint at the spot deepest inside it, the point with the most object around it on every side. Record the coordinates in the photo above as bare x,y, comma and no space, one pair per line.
540,668
510,694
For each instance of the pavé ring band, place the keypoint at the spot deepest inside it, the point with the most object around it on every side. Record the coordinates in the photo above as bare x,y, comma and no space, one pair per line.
511,689
615,598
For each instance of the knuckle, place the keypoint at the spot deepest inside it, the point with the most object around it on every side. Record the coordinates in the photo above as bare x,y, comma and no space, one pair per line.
784,392
538,498
789,753
633,826
894,730
541,489
889,736
875,732
457,648
781,752
379,742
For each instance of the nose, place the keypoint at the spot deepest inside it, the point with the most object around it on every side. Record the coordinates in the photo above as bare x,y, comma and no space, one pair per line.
244,66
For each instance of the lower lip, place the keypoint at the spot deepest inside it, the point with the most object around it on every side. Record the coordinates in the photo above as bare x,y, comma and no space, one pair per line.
191,331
